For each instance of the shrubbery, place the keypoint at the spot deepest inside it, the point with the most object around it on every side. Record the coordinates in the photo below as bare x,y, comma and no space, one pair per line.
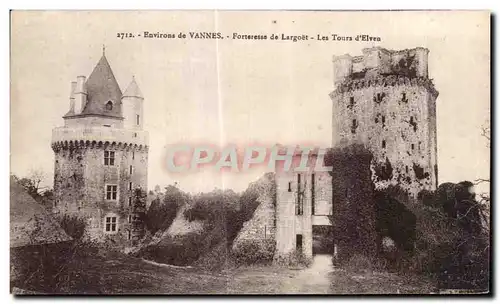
50,268
179,250
74,226
222,214
295,258
254,252
163,209
441,234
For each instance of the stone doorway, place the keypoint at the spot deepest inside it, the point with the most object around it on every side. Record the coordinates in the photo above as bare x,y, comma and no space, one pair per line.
322,239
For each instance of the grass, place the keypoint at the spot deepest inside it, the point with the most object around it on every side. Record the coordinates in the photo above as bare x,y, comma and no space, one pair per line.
126,275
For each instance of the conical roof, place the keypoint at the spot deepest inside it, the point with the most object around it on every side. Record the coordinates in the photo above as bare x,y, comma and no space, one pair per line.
102,87
30,223
133,90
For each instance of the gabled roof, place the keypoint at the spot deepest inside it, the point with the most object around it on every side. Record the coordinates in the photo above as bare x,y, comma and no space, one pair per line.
133,90
30,223
102,87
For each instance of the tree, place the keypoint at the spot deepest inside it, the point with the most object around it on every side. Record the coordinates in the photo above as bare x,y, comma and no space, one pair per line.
484,198
33,186
32,183
163,210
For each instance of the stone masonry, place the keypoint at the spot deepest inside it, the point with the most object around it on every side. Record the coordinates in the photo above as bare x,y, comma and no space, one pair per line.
385,100
262,226
101,157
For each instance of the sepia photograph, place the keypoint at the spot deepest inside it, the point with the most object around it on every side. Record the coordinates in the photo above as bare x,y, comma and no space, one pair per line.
226,152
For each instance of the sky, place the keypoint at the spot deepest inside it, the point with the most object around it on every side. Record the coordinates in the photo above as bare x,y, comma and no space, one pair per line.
241,92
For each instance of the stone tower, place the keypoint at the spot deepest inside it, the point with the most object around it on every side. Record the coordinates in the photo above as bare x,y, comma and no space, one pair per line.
101,156
385,100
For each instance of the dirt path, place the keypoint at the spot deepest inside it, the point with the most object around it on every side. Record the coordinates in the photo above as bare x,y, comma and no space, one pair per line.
312,280
322,278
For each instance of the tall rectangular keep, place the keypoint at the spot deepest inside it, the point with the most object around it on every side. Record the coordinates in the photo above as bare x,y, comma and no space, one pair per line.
386,100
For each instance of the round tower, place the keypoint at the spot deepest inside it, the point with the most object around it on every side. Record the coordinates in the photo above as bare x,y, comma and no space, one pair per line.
101,159
132,103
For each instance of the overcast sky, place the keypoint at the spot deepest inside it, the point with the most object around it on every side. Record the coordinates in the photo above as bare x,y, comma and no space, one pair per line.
240,91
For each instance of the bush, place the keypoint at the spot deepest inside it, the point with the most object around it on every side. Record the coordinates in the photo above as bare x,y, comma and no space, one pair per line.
293,259
359,263
52,268
160,215
250,252
427,198
215,259
178,250
74,226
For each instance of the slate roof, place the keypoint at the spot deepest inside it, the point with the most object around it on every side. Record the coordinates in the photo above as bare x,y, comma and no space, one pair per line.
102,87
133,90
30,223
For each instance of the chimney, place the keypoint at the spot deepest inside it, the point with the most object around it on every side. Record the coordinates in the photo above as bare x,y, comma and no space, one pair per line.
72,97
80,94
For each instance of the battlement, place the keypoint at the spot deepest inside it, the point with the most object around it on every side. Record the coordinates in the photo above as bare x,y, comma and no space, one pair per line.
89,135
378,61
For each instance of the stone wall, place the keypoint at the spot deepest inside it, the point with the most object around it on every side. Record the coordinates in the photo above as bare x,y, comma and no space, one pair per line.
80,179
395,117
262,225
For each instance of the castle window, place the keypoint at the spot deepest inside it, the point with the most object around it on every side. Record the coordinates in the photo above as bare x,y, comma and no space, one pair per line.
138,119
129,201
350,106
130,218
313,192
109,158
383,121
128,235
289,186
413,146
109,105
130,186
299,210
403,98
354,126
111,192
111,224
379,97
383,144
298,242
406,169
133,155
413,123
130,169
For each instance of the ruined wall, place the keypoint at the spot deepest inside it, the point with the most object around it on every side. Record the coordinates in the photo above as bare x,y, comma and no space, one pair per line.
80,179
390,107
262,226
292,220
